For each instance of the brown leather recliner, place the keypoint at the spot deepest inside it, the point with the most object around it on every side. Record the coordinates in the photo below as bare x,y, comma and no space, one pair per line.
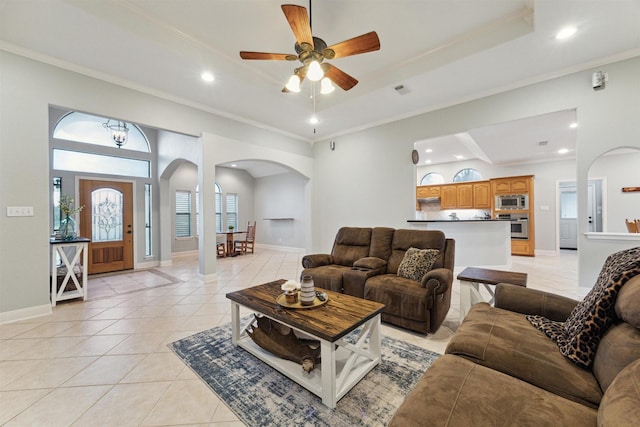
350,244
419,306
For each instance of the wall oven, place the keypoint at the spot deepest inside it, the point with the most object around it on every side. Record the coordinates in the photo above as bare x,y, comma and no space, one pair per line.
519,225
512,201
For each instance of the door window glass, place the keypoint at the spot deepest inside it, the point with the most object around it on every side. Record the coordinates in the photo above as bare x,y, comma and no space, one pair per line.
106,215
568,205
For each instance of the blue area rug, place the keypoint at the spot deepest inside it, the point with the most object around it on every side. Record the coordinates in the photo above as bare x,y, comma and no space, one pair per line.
261,396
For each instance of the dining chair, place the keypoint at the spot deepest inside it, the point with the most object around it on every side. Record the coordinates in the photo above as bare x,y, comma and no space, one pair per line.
633,226
243,246
221,251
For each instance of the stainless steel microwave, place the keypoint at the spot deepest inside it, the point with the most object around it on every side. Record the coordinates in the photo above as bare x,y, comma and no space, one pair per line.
512,201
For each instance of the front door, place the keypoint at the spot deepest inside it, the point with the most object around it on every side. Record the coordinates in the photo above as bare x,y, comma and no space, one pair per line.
107,220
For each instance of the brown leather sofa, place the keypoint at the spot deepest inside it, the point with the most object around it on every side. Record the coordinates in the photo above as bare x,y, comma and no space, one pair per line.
364,262
500,370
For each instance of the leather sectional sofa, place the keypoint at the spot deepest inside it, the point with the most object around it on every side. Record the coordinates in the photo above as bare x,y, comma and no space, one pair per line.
501,370
364,262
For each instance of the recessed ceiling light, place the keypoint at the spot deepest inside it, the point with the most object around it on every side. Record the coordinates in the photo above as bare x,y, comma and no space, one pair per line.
234,166
428,162
573,125
563,151
428,150
458,156
313,120
207,77
566,32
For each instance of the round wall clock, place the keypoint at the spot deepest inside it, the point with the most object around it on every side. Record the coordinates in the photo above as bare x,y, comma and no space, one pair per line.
415,157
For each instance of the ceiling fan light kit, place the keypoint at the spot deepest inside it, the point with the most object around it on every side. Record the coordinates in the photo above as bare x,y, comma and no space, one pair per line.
326,86
293,85
312,51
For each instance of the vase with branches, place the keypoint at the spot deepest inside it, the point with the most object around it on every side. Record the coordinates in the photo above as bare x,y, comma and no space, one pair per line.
68,223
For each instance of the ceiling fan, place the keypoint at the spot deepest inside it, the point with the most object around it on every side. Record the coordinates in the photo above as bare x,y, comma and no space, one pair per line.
312,51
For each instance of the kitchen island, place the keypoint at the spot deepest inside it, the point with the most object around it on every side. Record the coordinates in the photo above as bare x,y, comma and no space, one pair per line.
479,242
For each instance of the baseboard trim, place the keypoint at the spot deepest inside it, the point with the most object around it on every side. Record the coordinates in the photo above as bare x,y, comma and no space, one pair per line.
545,253
146,264
281,248
184,253
25,313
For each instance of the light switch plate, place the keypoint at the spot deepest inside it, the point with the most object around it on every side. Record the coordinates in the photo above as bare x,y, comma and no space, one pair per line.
19,210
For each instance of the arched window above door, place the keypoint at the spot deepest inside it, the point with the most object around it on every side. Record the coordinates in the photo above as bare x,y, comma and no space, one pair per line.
89,129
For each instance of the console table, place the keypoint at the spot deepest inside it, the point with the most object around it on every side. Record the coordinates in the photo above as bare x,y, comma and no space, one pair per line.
70,252
471,277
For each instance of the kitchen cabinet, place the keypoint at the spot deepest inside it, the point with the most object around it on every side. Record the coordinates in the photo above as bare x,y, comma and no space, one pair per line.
465,196
521,247
482,195
512,185
425,191
449,197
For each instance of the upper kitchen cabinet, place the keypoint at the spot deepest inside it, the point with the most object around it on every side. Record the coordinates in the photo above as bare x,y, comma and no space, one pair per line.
449,196
482,195
465,196
512,185
427,191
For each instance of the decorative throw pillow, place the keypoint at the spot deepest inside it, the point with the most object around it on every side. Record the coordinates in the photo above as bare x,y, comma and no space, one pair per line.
579,336
417,262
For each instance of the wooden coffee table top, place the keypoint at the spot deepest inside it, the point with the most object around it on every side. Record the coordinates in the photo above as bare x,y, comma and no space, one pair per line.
331,321
492,277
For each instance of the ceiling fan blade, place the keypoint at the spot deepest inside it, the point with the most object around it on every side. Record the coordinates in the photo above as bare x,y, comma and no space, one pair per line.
299,22
339,77
362,44
265,55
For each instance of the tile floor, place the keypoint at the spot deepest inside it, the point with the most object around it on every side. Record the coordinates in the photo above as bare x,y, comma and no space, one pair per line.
106,362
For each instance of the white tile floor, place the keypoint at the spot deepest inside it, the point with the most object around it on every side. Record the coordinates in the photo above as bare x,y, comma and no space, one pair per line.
105,361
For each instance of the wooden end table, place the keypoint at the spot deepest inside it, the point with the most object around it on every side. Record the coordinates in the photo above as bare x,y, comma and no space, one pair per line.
344,363
470,279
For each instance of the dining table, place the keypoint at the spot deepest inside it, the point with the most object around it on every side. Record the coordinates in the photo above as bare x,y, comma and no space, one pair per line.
230,249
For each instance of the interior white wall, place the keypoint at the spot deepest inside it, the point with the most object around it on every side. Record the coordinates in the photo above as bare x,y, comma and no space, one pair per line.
369,179
278,197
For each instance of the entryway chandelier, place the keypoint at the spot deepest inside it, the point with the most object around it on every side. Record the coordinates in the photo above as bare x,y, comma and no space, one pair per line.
118,131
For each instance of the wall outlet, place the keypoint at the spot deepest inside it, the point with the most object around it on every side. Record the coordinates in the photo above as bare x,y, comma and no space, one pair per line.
19,210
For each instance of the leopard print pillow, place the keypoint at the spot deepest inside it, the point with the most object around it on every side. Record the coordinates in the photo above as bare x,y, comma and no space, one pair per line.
417,262
579,336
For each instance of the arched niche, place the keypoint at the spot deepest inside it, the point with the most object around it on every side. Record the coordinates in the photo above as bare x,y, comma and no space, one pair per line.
618,171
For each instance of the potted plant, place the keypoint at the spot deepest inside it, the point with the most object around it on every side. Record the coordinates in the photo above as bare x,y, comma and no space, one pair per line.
231,227
68,223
